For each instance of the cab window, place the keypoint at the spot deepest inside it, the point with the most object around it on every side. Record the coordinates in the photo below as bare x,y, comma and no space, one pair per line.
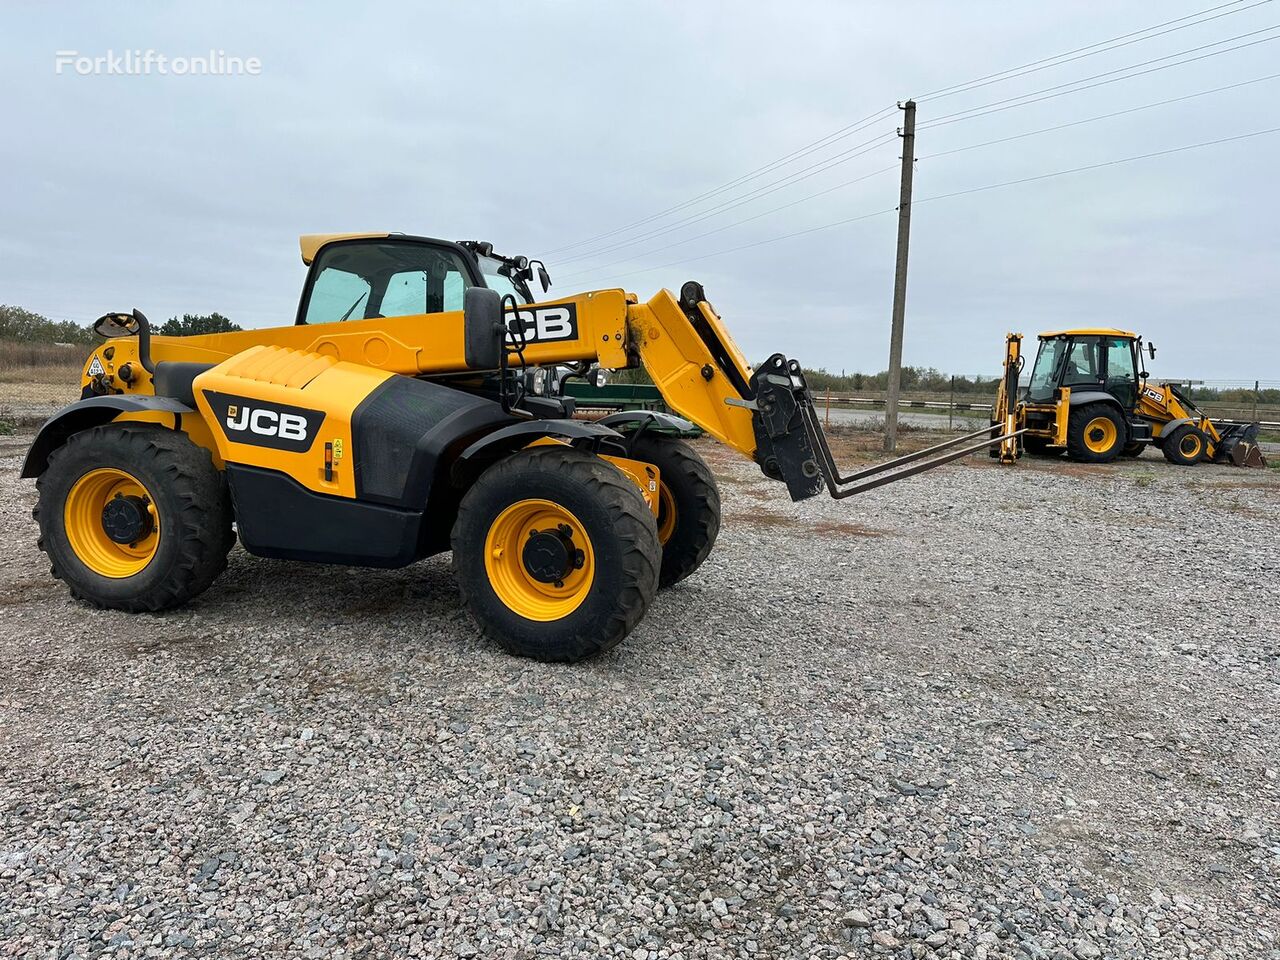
1120,364
1084,363
364,280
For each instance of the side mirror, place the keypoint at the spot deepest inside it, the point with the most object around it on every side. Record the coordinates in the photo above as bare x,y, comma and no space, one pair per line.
1151,349
483,330
111,325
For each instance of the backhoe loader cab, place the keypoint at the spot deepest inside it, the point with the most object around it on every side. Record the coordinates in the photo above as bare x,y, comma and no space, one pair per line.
1081,394
1088,395
393,420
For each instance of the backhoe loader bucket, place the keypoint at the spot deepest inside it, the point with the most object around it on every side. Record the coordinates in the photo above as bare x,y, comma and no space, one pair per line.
1239,445
793,448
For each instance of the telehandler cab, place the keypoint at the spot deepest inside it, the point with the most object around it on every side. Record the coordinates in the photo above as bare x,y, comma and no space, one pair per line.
393,420
1089,395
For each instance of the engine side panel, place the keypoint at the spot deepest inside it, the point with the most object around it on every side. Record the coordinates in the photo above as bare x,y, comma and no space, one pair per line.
288,411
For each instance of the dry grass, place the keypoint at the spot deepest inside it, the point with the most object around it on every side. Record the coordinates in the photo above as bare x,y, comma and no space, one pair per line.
22,362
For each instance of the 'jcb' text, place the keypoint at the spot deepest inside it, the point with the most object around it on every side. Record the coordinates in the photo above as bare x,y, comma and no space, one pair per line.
267,423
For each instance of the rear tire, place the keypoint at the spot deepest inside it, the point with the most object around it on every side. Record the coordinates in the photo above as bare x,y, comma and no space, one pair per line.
1095,433
688,505
568,502
176,495
1133,449
1185,446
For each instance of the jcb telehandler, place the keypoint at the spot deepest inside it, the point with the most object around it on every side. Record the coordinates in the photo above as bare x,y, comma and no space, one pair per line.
393,420
1089,395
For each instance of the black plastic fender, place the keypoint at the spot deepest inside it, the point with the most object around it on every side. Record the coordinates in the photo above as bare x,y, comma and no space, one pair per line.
625,419
1095,396
1172,425
85,414
498,444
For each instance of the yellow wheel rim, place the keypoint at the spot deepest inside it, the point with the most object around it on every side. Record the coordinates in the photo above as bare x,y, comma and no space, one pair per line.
666,514
83,521
1190,446
510,575
1100,434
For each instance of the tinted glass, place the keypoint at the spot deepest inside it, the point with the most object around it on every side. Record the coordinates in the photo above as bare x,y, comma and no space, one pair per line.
367,279
1084,363
1044,373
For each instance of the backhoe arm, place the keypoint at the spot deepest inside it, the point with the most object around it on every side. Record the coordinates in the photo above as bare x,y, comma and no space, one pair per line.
1005,413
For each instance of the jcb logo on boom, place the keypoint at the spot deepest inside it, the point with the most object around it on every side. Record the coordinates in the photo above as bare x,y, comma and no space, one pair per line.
263,424
547,324
268,423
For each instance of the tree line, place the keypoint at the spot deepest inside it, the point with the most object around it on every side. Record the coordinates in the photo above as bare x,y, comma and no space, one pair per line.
18,323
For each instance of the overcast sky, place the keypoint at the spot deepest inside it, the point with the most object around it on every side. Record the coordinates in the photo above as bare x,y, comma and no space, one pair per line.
540,125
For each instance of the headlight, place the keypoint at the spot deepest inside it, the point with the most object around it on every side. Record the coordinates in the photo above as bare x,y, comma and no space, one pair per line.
540,382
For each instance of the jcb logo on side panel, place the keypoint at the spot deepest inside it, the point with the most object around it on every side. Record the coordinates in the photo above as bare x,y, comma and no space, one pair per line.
547,324
264,424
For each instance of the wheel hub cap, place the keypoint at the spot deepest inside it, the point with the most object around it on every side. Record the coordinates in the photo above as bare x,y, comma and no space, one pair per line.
126,519
549,555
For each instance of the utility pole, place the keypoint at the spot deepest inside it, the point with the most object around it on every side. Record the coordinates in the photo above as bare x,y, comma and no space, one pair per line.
900,277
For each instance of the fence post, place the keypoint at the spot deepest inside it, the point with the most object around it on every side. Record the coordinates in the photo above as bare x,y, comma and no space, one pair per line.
1257,393
951,407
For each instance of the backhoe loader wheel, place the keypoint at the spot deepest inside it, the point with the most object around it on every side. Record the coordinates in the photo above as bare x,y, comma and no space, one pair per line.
1095,433
688,505
1185,446
1133,449
133,517
556,554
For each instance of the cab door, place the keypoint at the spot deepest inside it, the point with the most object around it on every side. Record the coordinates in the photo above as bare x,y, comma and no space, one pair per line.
1121,371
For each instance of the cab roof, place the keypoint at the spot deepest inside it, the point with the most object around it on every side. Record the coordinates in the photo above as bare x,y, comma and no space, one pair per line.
1090,332
310,243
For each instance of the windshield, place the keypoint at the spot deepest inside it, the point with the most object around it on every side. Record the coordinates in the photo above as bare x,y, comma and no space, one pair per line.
1044,373
495,280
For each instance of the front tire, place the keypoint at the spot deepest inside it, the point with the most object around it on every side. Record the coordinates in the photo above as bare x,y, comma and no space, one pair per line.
1096,433
1185,446
556,554
133,518
688,505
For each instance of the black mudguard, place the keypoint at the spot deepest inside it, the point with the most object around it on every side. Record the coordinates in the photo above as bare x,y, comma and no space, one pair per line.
491,448
655,421
93,412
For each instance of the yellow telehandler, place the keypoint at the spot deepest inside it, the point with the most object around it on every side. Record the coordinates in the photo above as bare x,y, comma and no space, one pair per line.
398,418
1088,395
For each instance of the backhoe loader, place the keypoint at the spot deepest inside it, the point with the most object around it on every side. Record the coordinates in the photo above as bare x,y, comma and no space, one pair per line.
1088,395
395,419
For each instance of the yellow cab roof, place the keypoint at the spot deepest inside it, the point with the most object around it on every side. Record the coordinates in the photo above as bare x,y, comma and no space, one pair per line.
312,242
1090,332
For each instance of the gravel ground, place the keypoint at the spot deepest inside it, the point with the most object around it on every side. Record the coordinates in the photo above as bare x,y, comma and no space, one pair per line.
1026,712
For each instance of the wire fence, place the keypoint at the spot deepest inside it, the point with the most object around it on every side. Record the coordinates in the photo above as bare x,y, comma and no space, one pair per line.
963,400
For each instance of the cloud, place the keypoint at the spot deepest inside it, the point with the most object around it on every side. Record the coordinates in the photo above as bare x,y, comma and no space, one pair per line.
536,126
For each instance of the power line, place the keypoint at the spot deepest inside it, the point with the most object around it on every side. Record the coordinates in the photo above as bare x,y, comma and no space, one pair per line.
773,187
1104,116
1010,73
1106,45
1098,166
843,132
942,153
958,193
984,108
736,223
